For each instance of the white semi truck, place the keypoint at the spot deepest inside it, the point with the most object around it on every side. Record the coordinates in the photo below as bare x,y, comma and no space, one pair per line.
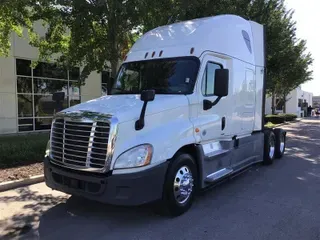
186,111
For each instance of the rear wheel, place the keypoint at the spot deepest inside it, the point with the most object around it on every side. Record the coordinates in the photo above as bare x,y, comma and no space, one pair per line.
280,142
180,185
269,147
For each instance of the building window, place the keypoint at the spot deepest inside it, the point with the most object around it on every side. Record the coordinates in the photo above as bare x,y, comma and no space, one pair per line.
300,101
208,79
44,91
105,80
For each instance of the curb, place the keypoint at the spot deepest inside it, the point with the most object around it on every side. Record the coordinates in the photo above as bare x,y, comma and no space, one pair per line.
5,186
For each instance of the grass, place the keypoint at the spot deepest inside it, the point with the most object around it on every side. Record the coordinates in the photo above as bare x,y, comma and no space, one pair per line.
270,125
21,150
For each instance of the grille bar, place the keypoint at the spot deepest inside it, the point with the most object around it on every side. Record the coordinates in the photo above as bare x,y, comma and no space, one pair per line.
73,150
74,130
90,143
79,125
74,135
80,144
74,161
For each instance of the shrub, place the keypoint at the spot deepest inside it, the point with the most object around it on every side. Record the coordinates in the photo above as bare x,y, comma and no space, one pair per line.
289,117
269,125
280,118
22,149
275,119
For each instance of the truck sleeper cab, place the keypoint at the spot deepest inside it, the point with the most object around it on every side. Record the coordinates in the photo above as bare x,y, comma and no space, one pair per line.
186,110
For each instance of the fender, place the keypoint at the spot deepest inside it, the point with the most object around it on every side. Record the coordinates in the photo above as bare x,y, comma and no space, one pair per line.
167,131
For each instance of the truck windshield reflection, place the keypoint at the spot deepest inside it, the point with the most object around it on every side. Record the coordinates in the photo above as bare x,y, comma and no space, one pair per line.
165,76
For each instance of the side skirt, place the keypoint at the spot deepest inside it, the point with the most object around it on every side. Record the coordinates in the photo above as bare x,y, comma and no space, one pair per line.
225,159
227,178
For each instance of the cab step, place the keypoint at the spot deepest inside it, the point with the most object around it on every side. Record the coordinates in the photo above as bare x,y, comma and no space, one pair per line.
218,175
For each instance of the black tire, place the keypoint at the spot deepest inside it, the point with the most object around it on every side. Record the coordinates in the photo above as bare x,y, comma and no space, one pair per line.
269,142
169,203
280,138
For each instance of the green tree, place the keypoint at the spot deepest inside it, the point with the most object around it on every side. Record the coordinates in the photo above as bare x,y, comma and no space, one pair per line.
90,32
82,32
297,72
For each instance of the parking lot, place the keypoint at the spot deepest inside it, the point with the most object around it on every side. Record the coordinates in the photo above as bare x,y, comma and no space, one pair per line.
280,201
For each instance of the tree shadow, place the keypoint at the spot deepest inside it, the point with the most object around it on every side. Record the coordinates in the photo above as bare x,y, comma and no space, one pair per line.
23,223
98,219
304,142
58,215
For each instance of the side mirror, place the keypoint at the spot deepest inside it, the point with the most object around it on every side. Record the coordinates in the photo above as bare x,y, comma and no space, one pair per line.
147,95
221,88
221,82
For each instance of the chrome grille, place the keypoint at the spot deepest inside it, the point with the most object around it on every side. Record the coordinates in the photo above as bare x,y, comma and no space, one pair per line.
79,144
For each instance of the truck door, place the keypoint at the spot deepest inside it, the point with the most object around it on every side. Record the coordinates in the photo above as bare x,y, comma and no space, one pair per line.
213,122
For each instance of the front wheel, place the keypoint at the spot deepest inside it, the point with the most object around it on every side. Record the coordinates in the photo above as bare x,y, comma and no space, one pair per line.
180,185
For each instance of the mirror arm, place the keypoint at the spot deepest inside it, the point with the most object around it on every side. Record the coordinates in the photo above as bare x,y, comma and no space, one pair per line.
208,104
140,122
146,96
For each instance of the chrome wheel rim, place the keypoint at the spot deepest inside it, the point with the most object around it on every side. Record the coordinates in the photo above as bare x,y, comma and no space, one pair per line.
183,185
282,142
272,147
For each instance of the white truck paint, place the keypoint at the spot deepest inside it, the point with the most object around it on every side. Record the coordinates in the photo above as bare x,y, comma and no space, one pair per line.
175,121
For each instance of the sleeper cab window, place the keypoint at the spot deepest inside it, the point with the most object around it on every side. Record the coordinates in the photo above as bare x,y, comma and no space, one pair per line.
208,78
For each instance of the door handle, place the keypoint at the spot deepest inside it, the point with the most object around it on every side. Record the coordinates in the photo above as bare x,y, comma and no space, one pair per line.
223,123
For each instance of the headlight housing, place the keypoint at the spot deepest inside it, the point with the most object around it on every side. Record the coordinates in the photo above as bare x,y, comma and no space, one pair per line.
135,157
47,153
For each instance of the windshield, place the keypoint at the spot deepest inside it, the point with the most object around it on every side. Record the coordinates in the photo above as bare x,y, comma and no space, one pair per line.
165,76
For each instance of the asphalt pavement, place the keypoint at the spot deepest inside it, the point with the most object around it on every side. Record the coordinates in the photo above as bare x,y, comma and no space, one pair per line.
281,201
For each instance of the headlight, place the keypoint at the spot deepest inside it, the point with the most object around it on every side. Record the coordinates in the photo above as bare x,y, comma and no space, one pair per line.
136,157
47,153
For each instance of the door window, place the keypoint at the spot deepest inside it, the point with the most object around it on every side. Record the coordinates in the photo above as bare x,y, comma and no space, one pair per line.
208,78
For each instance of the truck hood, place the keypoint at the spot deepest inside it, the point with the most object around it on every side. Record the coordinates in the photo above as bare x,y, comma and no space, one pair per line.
128,107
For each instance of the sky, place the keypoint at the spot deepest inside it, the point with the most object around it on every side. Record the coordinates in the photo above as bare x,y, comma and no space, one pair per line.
307,16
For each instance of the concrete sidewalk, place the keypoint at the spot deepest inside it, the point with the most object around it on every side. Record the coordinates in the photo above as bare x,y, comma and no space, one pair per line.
21,208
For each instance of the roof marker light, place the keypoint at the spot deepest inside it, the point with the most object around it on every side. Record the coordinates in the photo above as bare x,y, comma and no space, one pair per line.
145,56
191,50
153,54
160,54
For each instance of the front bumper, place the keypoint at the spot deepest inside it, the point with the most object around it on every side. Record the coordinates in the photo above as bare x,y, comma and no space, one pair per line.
123,189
